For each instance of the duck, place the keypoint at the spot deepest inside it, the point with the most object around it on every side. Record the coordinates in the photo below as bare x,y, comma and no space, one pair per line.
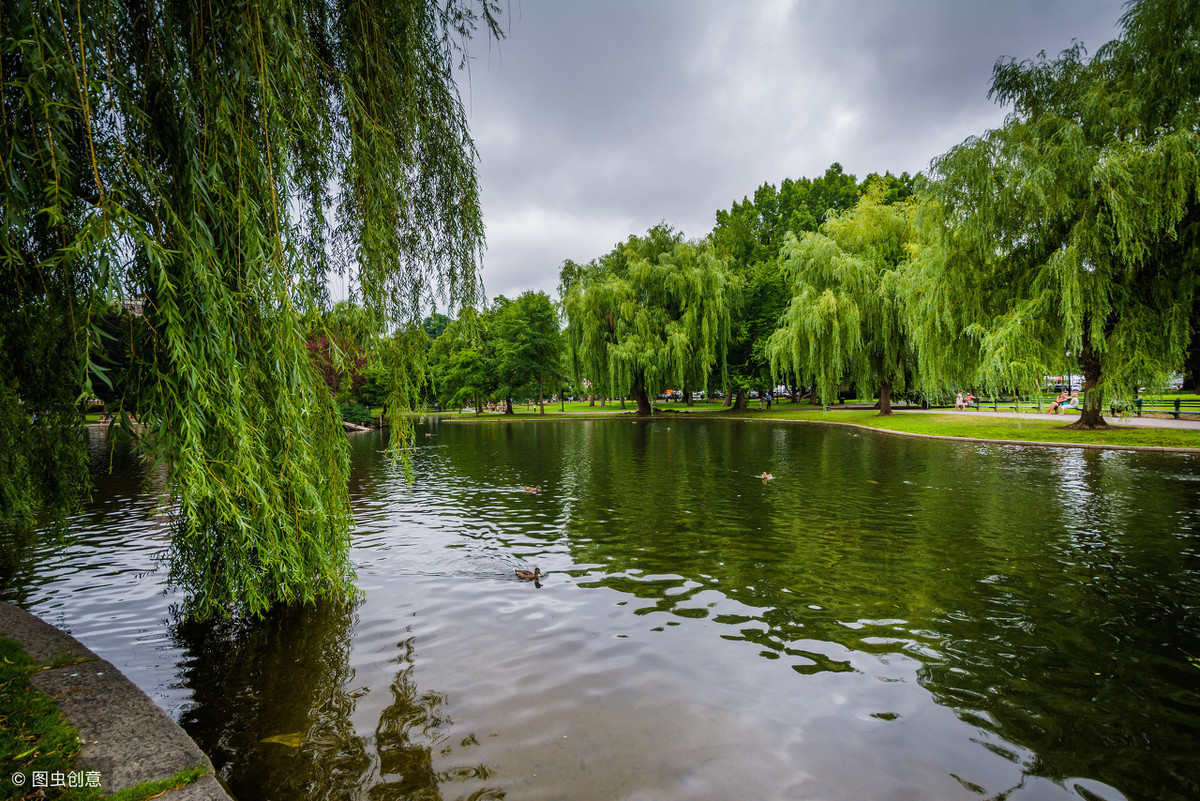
538,488
767,476
528,575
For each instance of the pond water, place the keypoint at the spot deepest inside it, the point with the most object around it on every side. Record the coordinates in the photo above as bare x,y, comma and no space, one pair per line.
889,618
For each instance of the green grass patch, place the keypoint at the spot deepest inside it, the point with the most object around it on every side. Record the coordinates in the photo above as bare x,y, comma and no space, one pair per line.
33,735
149,790
1034,429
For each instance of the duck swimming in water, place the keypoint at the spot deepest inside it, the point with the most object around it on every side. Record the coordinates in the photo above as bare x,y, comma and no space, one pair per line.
528,575
538,488
767,476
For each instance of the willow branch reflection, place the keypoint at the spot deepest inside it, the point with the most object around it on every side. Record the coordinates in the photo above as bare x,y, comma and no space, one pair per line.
275,703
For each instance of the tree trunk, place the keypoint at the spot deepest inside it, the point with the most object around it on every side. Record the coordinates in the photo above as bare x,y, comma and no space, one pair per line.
541,398
592,400
1191,364
728,396
885,398
478,406
687,397
638,390
739,399
1089,364
508,409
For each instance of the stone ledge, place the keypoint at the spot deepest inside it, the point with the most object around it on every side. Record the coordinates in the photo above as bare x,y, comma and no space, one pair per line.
125,735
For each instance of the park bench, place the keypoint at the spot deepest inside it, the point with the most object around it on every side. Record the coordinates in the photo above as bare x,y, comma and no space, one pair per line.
1174,406
1038,402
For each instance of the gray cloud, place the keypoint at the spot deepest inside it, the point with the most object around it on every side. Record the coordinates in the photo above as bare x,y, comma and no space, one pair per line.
595,120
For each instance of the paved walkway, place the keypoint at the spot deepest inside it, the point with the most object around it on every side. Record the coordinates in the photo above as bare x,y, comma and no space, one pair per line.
126,737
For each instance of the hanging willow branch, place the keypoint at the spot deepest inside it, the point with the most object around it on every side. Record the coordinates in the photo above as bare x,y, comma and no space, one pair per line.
219,162
653,312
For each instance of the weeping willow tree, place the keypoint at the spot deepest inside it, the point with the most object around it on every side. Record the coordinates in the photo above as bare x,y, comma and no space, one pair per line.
848,317
1073,227
653,312
213,164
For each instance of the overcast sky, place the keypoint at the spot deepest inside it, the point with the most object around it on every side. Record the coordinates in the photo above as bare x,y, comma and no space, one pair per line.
596,119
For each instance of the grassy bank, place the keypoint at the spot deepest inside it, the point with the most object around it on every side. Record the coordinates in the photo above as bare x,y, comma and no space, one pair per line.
34,736
1034,428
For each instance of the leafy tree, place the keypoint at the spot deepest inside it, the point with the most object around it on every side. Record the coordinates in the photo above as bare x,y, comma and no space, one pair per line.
374,387
654,311
751,233
763,301
341,343
434,324
528,345
847,318
184,155
1074,226
464,361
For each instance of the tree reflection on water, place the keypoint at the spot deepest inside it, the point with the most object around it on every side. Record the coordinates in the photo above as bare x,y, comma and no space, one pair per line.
275,706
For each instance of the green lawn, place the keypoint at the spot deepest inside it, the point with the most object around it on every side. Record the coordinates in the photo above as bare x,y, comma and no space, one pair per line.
1035,428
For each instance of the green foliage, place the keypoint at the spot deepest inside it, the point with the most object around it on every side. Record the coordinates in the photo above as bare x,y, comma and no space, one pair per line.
148,791
654,312
465,362
374,389
434,324
341,343
34,735
528,343
43,336
848,317
1074,225
752,233
356,413
184,157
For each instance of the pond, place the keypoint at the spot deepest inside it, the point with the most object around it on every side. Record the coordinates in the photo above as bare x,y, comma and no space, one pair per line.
888,618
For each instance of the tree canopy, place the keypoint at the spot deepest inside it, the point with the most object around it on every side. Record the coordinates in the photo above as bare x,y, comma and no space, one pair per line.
848,317
751,235
463,360
1074,226
656,310
528,345
214,164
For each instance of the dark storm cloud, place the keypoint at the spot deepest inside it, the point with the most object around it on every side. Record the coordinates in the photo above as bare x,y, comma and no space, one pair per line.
595,120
